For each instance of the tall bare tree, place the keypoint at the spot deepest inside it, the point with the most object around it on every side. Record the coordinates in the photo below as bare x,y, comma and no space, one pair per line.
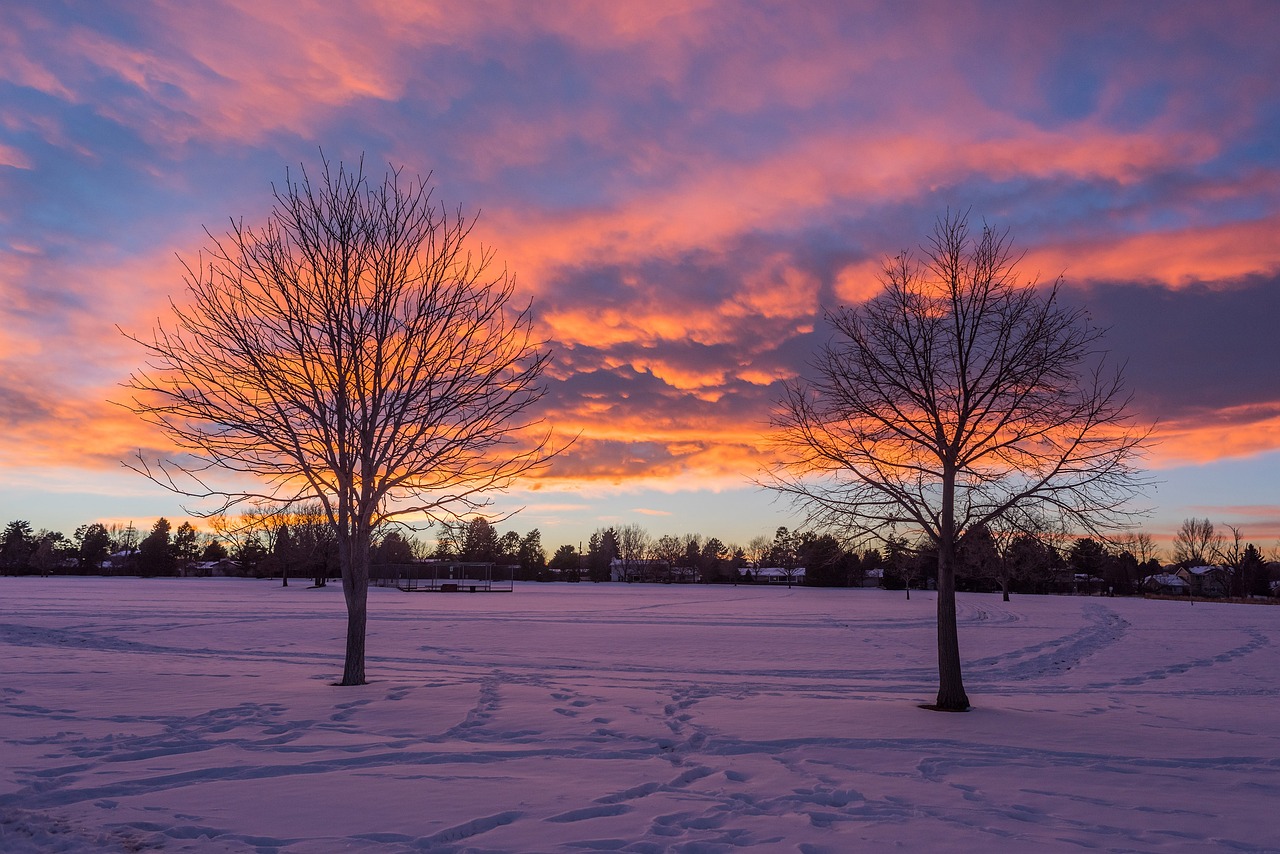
1196,542
669,549
757,550
956,397
353,351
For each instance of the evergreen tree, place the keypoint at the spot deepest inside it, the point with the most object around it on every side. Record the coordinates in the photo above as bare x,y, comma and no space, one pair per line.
533,560
601,550
155,552
186,544
713,560
214,550
16,547
566,560
978,560
694,554
1253,572
782,551
285,553
93,545
1122,574
480,543
1089,557
1030,561
825,562
392,549
250,554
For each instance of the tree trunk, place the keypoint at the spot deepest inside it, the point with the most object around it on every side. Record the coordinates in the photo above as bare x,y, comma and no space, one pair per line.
354,556
951,695
1004,586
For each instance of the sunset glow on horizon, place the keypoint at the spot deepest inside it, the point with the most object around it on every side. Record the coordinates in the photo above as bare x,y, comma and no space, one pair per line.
682,189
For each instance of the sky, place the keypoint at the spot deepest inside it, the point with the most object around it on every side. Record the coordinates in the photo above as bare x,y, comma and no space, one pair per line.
682,189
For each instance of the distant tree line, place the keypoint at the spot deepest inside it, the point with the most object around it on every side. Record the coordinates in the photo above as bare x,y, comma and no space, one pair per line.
299,544
264,543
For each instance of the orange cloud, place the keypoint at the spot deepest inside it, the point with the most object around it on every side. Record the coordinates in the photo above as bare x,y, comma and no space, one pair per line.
1173,258
816,174
1206,436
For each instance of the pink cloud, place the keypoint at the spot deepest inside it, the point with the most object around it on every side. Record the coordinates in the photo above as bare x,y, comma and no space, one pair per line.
1174,258
706,131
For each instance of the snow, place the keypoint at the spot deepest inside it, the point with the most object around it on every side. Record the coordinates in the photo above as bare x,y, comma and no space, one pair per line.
194,715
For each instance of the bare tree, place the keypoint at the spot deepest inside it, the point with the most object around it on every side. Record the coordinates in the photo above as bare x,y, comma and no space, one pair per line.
669,549
451,538
1229,551
353,351
236,533
264,523
954,398
1139,544
757,550
784,553
1196,542
634,545
313,542
124,538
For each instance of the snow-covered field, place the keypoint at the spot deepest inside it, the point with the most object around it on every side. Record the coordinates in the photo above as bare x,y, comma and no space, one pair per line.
198,715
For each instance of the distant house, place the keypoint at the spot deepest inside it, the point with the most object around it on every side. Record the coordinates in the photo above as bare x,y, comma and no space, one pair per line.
1166,584
210,569
650,571
1208,581
120,559
1084,584
1069,582
872,578
780,575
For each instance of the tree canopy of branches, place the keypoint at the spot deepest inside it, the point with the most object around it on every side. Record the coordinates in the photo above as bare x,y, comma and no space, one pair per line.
353,351
1196,542
956,397
1139,544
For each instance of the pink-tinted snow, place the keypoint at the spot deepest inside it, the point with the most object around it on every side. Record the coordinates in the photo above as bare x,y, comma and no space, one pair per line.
198,715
